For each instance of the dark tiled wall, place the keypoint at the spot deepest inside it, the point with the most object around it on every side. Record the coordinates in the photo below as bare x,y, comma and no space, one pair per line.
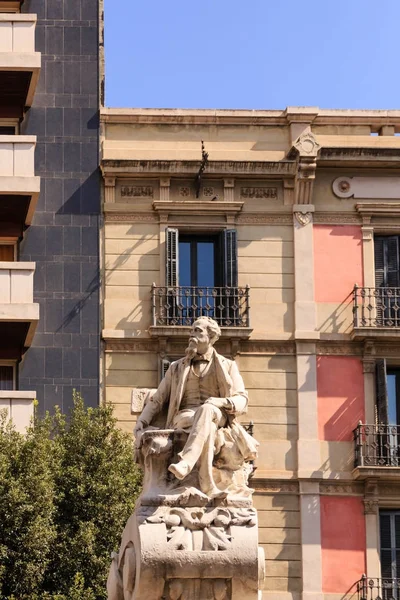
63,239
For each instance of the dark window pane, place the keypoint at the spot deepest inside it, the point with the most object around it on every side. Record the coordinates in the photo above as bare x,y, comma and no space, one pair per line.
205,264
385,531
391,389
386,564
184,264
6,378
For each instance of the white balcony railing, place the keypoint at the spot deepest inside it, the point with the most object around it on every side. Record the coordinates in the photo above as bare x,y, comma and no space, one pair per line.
16,282
19,406
17,33
17,157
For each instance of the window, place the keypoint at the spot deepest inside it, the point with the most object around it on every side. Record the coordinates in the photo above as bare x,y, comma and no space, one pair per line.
386,441
390,553
7,252
387,280
7,377
201,280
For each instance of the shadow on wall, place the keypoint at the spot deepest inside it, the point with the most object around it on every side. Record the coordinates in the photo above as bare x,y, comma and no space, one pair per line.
341,318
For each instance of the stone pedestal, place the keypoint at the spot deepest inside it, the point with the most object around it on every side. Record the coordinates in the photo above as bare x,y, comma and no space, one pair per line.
181,545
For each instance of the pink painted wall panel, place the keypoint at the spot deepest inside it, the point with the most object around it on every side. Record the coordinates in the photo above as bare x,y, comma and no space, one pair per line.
343,543
340,392
337,261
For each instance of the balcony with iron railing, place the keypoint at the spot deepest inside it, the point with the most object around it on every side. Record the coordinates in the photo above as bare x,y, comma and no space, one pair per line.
377,451
378,589
376,312
174,309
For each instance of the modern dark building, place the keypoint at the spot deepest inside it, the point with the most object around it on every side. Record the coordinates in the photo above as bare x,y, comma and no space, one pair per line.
63,239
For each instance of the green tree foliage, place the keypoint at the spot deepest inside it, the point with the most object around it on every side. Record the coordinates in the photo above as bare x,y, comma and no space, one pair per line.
67,489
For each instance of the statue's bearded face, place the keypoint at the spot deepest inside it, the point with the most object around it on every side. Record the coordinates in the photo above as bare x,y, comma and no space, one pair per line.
199,341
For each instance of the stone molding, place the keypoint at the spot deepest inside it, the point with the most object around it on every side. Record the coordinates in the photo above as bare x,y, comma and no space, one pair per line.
367,187
231,168
259,192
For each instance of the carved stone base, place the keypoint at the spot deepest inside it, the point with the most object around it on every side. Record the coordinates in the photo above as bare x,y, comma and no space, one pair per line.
180,552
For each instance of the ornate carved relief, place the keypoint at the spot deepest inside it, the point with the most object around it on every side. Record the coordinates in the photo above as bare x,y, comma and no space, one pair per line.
370,506
188,589
259,192
184,191
208,192
307,145
303,218
137,191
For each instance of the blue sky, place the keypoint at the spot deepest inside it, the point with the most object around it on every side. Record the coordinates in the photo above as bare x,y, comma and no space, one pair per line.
252,54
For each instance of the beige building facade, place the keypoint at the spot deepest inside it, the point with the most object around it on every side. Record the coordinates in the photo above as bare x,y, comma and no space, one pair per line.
283,226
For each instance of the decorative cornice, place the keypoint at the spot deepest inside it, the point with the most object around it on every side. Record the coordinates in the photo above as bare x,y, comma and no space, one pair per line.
190,167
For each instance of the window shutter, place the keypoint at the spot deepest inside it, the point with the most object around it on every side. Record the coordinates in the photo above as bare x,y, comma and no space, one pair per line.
387,261
382,408
230,258
386,546
164,366
172,257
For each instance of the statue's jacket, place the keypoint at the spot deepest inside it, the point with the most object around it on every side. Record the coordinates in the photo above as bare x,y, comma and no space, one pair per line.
230,385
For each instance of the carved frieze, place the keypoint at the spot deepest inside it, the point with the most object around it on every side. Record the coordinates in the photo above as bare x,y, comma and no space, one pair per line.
339,348
262,486
259,192
123,217
137,191
269,219
322,218
343,489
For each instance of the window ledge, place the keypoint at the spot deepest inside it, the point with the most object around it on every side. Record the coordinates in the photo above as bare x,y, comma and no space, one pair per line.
363,333
194,206
385,473
181,331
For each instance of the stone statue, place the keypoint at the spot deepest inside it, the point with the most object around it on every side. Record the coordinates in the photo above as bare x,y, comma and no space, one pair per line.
204,392
193,535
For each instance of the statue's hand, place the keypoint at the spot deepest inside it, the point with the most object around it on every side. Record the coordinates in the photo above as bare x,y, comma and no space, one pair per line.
137,432
218,402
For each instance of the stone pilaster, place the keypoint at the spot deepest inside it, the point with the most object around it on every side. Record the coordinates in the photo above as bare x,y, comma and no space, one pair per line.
310,515
109,189
229,190
164,188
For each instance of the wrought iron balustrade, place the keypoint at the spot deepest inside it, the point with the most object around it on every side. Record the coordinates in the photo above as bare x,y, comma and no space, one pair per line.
378,589
377,445
376,307
229,306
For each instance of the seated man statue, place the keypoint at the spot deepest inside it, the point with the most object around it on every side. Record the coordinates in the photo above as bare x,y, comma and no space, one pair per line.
204,392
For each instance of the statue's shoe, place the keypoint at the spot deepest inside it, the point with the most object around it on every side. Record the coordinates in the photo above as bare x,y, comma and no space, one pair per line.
180,469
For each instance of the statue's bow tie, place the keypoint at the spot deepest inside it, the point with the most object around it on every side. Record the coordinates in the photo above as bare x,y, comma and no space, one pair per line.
200,357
